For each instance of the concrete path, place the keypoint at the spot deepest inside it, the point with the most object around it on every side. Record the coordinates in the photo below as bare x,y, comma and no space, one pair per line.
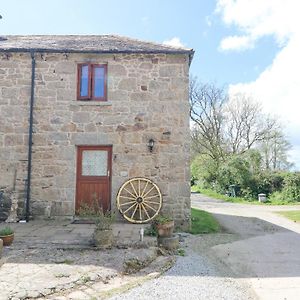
266,250
55,260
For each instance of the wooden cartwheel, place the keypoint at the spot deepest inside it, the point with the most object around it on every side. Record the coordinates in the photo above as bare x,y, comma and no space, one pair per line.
139,200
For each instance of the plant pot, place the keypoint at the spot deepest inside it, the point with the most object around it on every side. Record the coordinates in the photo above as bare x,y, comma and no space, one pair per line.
103,238
169,242
165,230
7,239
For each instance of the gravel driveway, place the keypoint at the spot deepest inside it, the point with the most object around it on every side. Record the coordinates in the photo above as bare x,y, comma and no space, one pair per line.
193,276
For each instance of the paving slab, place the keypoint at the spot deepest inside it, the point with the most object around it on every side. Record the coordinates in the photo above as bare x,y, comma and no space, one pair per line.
54,257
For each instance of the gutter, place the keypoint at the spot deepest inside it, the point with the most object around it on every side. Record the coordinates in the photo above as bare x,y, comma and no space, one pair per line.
27,214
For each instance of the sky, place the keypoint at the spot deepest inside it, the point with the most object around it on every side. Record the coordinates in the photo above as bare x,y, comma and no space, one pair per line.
250,46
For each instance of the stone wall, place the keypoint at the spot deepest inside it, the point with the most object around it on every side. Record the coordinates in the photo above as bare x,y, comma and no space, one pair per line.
147,98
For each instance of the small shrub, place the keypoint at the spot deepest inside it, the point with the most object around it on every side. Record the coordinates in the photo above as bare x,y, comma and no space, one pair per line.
103,220
6,231
162,219
151,231
291,188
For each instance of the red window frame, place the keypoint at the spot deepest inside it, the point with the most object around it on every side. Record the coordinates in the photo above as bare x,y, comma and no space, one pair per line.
91,91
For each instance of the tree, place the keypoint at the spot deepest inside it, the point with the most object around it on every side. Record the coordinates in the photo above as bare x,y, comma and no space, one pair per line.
223,126
206,111
246,124
274,149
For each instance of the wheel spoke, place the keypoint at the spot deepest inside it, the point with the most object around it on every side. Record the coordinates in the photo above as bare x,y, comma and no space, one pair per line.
145,210
140,210
149,191
139,186
135,209
129,208
126,197
144,189
127,203
151,197
129,193
150,207
151,202
133,189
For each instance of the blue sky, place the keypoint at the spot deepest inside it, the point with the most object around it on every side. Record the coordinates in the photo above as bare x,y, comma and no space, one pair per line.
236,42
193,22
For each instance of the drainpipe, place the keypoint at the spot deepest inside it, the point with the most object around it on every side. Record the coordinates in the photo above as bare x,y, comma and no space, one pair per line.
30,137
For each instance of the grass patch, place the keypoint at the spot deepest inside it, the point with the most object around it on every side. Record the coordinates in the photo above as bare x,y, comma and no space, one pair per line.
203,222
180,252
85,278
213,194
293,215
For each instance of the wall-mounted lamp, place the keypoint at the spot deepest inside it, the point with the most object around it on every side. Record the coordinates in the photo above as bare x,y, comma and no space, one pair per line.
151,145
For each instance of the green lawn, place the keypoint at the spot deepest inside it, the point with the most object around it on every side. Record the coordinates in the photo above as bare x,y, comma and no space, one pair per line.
203,222
293,215
213,194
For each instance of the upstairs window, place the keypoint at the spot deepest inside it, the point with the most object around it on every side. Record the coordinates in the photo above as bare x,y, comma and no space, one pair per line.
92,82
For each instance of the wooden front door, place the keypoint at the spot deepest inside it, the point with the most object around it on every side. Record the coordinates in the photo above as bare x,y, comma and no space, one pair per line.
93,176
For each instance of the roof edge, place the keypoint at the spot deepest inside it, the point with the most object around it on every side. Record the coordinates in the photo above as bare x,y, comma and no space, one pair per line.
189,52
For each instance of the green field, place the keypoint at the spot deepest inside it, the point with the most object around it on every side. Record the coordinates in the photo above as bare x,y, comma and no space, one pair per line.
203,222
293,215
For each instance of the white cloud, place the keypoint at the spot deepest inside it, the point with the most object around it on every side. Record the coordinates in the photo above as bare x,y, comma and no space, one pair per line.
174,42
236,43
278,86
257,18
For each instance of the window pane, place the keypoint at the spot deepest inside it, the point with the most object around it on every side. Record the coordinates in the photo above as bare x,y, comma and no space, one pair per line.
84,81
99,80
94,163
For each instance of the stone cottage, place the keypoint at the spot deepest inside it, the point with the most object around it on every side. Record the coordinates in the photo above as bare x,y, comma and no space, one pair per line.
81,115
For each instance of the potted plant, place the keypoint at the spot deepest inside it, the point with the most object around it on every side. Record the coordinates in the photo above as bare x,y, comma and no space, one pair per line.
93,212
103,234
7,235
164,225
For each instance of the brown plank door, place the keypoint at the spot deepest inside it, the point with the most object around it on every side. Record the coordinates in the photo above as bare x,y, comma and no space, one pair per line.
93,177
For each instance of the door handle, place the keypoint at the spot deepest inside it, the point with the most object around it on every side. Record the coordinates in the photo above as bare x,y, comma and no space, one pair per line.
108,173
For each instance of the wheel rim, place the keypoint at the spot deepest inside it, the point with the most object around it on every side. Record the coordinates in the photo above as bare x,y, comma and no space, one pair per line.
139,200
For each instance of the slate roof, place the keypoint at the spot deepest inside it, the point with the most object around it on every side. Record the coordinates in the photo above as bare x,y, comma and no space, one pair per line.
85,44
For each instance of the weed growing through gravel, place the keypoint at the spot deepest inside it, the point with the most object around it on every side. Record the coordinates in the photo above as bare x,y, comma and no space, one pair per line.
85,278
181,252
65,261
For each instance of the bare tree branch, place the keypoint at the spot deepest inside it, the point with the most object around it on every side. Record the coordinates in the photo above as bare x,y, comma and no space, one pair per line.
224,126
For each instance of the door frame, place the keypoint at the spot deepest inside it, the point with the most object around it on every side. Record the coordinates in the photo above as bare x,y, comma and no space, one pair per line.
109,149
